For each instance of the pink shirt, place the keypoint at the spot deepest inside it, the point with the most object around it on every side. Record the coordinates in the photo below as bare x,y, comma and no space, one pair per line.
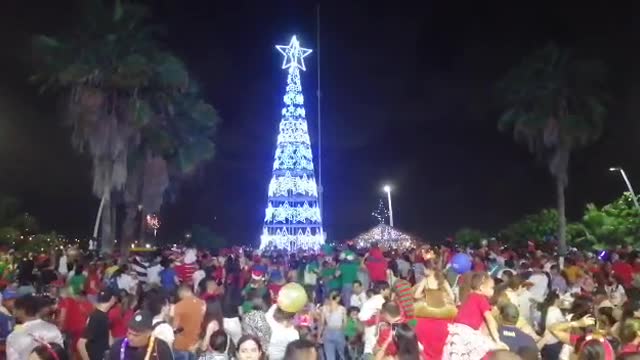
471,313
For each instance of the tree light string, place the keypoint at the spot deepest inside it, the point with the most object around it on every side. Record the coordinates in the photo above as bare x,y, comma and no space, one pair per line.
292,216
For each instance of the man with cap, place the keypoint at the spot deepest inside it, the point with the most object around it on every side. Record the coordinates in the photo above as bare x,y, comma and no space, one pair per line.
139,344
9,296
96,338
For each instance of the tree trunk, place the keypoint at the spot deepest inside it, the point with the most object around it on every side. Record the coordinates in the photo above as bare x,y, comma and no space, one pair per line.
129,225
107,225
562,221
96,226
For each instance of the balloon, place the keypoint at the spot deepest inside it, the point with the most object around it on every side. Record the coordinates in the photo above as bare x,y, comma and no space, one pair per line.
461,263
292,298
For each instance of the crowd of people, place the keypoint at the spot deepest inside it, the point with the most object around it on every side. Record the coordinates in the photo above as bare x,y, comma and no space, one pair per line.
369,303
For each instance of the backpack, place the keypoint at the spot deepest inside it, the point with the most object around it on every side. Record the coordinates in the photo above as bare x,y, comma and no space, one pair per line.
158,324
7,322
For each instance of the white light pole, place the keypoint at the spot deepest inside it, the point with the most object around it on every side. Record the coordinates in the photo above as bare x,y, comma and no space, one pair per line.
626,180
387,189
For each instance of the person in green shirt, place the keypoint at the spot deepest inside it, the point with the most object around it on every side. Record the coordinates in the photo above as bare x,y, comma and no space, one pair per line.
353,332
329,276
78,280
255,288
348,272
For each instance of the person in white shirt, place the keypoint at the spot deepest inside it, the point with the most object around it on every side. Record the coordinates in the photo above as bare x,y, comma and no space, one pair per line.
153,273
370,311
197,276
282,332
157,304
125,281
358,297
540,285
33,332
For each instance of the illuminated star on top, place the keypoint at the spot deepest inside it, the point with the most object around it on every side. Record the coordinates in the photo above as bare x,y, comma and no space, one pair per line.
293,54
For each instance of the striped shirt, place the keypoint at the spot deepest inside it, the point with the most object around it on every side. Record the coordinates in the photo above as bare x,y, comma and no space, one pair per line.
404,296
185,272
140,268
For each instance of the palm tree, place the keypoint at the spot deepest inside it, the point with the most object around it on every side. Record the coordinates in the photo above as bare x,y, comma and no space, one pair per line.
555,103
175,141
107,70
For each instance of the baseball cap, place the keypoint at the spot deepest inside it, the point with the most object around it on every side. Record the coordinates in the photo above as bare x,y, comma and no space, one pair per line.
9,294
104,296
141,321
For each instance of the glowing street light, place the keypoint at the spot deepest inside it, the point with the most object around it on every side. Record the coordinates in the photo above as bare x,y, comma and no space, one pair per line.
387,189
626,180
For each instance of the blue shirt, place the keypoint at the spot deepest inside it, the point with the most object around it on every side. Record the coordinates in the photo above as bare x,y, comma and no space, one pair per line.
515,338
167,278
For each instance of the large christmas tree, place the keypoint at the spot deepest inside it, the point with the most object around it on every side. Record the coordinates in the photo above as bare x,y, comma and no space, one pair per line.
292,218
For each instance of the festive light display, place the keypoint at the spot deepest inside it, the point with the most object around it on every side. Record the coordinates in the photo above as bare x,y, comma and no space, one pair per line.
381,213
292,218
387,237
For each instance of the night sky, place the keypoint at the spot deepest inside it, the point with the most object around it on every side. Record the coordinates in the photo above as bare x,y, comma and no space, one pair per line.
408,98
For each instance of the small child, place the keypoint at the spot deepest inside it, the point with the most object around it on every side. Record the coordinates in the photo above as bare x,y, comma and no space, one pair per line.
220,347
353,331
369,294
305,323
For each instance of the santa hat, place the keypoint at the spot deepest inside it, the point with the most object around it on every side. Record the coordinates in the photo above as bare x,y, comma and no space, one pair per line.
257,275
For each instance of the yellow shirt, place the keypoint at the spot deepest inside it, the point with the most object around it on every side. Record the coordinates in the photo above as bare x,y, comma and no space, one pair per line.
573,272
110,270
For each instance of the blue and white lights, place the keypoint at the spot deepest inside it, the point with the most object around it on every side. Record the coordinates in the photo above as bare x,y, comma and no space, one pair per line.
292,217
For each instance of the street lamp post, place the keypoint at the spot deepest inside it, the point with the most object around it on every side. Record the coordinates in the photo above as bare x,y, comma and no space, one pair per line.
626,180
387,189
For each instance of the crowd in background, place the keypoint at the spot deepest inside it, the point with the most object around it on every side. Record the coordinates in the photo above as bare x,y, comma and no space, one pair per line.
363,304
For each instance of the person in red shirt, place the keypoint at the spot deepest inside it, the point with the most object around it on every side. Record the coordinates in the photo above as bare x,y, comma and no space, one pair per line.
376,264
218,273
92,285
391,316
212,291
624,270
73,314
187,267
120,314
432,334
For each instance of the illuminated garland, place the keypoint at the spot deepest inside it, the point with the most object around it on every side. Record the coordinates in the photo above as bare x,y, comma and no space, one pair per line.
292,216
387,237
288,185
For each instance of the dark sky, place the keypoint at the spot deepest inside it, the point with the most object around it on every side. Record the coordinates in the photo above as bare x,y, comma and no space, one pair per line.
408,98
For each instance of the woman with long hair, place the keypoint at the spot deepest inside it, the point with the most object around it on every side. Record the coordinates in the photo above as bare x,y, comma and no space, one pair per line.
434,282
333,318
212,322
231,300
550,313
405,341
